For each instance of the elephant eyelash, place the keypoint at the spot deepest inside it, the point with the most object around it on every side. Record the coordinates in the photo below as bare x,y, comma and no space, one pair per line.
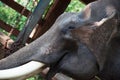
71,27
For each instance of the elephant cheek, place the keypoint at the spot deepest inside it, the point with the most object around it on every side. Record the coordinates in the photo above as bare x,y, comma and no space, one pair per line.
48,58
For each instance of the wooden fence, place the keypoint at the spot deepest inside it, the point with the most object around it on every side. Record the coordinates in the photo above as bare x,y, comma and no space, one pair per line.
43,25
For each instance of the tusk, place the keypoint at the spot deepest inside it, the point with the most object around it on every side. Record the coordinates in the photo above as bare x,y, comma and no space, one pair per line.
21,70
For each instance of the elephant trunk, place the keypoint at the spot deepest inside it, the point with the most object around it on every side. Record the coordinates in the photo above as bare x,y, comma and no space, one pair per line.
31,54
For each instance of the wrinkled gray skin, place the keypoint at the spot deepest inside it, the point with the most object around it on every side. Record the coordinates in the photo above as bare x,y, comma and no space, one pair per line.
111,67
112,64
74,64
61,51
52,47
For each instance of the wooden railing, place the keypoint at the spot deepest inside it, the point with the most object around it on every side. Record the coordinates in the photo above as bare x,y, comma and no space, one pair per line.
18,8
8,28
56,9
43,25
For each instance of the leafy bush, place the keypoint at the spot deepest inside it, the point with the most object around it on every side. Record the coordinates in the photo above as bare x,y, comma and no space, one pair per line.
10,16
75,6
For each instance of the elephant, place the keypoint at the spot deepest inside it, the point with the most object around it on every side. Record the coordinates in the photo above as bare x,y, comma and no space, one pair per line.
111,68
77,45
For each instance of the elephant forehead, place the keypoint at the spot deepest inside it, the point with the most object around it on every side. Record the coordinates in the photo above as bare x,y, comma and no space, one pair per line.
72,20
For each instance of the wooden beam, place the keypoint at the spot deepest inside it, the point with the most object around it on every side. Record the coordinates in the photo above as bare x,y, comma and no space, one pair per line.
4,38
16,7
87,1
32,21
8,28
56,10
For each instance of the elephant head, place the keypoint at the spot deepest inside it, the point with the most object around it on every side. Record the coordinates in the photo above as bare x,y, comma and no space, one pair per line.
92,37
48,49
75,38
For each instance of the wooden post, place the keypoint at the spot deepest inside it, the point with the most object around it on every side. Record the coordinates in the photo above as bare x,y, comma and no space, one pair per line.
32,21
56,10
87,1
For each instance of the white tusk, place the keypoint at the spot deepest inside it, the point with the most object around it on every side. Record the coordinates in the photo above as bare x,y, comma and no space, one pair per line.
21,70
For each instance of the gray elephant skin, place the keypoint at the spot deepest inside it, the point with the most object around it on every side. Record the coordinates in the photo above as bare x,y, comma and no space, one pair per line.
80,45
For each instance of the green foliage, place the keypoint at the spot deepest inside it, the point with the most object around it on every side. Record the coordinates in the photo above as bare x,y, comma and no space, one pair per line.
37,77
30,4
10,16
75,6
7,15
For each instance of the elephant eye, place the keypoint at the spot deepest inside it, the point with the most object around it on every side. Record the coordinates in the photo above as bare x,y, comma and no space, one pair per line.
71,27
67,29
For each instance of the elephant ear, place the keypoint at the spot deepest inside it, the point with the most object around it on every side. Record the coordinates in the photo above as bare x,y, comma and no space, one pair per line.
96,36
